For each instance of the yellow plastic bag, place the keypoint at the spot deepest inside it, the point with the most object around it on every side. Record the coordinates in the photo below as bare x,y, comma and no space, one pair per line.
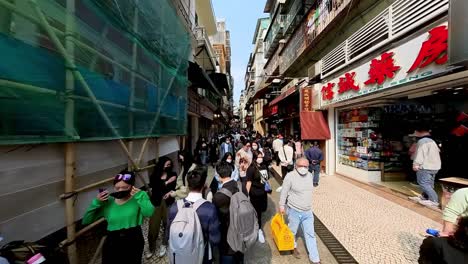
282,235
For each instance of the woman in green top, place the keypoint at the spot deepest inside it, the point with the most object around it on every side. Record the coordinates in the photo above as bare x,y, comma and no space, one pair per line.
124,211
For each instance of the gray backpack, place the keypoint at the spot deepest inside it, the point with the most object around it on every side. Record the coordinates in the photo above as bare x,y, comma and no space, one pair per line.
243,227
186,243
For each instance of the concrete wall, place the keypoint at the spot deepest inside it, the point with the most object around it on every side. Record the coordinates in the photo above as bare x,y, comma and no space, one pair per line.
32,179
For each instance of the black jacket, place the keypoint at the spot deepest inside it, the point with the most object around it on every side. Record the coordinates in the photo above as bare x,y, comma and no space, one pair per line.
439,250
222,202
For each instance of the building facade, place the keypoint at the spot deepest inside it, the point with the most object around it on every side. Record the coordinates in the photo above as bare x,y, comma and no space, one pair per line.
374,70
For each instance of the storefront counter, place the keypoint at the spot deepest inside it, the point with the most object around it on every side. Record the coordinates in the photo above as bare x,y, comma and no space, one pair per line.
358,174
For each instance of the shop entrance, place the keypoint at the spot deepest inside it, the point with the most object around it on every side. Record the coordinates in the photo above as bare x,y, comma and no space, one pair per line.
377,138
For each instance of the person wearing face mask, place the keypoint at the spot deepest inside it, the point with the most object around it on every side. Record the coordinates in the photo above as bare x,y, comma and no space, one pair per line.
216,183
226,147
296,200
257,177
124,211
163,182
256,146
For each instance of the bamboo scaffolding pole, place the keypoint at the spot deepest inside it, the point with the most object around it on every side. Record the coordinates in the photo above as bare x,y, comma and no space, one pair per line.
132,86
82,231
70,132
99,248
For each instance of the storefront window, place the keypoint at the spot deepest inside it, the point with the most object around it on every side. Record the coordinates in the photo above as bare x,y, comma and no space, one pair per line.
359,138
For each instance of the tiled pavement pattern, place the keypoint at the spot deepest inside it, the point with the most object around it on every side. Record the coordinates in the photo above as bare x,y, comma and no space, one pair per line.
373,229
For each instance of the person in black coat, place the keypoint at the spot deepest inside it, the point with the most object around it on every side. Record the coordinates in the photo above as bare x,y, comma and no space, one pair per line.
257,177
446,250
163,181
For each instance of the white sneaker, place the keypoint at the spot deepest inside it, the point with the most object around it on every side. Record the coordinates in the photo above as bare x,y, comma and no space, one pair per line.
149,255
261,237
429,203
417,198
279,189
162,251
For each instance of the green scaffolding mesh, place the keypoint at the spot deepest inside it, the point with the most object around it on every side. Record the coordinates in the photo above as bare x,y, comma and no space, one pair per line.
81,70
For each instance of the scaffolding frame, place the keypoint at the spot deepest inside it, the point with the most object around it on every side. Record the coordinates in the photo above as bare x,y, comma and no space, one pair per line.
73,74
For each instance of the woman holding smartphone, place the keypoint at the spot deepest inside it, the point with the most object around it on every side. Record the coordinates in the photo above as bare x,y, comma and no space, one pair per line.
124,211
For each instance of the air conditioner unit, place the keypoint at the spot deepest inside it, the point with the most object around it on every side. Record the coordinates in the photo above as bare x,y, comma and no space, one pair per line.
314,70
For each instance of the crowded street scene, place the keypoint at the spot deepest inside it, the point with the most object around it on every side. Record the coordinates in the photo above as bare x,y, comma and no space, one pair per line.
233,131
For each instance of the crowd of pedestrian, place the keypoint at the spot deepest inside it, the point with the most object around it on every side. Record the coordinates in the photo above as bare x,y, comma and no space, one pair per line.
219,221
208,222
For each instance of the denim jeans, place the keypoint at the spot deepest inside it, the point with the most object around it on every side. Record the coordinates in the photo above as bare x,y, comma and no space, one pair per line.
238,258
315,169
306,219
426,180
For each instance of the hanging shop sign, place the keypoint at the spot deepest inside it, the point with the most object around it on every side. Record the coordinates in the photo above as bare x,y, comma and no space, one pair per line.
419,58
269,110
306,100
206,112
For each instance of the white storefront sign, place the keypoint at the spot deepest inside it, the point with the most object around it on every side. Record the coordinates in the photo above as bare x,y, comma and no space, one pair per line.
404,56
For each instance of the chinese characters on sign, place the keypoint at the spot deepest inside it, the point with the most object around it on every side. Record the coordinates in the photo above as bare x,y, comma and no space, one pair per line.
327,91
306,102
386,71
347,83
432,50
382,69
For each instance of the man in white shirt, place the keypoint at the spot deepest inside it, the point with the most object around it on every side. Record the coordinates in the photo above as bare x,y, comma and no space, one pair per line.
286,154
277,146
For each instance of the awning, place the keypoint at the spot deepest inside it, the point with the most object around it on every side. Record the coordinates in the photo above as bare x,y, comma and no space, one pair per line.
314,126
220,80
199,77
284,95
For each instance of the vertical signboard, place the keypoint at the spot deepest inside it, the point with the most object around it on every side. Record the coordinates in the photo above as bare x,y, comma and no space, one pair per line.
306,99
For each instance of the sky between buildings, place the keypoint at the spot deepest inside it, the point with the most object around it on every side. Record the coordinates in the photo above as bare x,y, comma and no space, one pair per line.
241,18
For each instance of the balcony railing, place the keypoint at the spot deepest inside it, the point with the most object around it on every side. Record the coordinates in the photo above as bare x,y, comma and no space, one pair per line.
203,39
398,19
320,19
275,33
294,49
295,14
272,65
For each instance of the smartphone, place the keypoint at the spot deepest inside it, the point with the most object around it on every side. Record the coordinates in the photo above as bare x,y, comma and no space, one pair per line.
101,190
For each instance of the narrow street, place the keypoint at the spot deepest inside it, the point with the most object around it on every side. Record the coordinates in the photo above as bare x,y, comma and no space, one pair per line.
111,110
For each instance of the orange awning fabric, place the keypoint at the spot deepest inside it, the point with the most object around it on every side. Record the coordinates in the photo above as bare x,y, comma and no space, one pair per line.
314,126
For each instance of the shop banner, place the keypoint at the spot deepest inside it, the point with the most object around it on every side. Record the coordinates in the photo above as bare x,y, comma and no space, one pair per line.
206,112
421,57
306,99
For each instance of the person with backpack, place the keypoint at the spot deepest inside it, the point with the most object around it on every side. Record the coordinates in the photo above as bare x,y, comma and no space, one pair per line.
296,200
193,225
124,211
257,178
239,226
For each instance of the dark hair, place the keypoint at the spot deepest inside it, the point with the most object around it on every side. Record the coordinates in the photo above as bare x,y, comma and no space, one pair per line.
226,156
460,237
255,154
422,127
196,178
159,169
130,181
224,170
